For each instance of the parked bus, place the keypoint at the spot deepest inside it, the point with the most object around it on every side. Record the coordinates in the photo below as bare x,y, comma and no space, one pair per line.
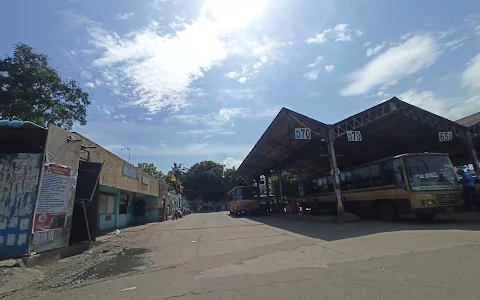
421,183
243,199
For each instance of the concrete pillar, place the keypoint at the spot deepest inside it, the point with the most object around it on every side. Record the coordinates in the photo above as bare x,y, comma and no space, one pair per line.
281,189
335,172
117,207
472,153
267,185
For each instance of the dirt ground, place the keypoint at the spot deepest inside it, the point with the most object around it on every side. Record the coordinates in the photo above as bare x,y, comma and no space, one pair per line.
115,254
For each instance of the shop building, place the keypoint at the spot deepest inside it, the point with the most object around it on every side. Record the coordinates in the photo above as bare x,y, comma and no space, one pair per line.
126,195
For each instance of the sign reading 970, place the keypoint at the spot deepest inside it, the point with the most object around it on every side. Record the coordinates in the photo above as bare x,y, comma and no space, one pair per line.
303,133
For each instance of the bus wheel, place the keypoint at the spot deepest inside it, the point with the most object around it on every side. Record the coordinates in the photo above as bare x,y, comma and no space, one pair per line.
425,217
387,211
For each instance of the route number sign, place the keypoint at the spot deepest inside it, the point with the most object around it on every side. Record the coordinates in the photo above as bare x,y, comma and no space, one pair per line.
446,136
354,136
303,134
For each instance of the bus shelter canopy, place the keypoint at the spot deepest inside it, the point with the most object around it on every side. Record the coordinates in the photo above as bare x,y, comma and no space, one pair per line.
387,129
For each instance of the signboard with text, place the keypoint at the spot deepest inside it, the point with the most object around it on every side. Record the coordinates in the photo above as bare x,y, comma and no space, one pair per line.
446,136
126,171
303,133
354,136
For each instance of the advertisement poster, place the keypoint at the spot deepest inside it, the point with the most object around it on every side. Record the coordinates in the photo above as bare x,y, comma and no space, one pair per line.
19,175
53,199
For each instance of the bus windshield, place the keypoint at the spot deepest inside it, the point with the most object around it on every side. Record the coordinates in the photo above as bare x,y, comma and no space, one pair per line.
430,172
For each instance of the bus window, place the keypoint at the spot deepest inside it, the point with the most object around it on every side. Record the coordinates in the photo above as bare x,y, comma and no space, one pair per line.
397,168
343,186
375,175
386,171
364,176
324,184
348,180
330,183
356,179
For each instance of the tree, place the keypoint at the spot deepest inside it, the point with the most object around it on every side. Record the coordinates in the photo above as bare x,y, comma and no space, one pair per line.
150,168
231,179
289,185
205,179
31,90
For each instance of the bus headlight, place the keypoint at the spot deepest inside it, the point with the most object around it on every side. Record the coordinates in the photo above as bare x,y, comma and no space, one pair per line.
430,202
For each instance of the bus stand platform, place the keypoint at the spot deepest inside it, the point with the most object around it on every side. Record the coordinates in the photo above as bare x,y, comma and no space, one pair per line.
318,152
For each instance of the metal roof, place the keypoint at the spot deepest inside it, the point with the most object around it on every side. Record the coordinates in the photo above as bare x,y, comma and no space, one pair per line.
276,144
388,129
19,124
470,120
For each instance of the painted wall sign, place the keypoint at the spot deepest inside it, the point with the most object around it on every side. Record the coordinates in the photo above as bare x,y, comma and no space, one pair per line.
145,179
126,171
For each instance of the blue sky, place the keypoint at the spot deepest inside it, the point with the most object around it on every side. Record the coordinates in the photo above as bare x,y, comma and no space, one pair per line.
189,80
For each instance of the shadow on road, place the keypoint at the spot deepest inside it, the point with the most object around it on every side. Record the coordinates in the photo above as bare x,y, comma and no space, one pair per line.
333,231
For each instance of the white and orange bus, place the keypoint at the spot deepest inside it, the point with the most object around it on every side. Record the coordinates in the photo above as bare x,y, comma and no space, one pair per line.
418,183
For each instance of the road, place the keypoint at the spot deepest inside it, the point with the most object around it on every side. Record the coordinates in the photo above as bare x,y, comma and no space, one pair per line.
214,256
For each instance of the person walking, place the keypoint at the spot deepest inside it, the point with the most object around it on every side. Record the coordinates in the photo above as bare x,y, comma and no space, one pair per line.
469,192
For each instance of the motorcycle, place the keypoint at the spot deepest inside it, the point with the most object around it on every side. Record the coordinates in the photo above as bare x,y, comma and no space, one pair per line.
176,215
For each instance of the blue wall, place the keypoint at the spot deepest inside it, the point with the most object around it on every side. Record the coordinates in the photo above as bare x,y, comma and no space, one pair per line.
104,224
152,216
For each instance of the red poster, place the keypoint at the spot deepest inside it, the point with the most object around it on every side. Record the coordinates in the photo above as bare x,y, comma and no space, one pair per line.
48,221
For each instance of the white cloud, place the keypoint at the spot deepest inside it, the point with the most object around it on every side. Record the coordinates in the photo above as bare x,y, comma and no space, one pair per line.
330,68
155,70
376,49
242,80
396,63
471,75
232,75
87,75
312,75
90,85
455,43
124,16
451,108
209,131
191,150
236,94
225,116
315,62
231,163
340,33
367,44
419,79
445,33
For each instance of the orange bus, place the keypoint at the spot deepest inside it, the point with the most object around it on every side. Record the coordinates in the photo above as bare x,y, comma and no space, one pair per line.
423,184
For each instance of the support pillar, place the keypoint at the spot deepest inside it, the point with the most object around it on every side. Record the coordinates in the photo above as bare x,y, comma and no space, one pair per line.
472,153
267,185
258,183
335,171
281,189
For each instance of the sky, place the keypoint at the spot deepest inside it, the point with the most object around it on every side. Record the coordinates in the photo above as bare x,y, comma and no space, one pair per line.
191,80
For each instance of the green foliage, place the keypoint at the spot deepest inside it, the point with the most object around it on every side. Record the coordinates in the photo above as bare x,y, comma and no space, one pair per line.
210,180
289,185
31,90
150,168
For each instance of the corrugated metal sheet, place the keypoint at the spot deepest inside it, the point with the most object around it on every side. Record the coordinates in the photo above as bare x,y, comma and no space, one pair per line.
20,124
469,120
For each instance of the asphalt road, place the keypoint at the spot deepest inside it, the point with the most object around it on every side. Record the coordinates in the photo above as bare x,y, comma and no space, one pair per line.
214,256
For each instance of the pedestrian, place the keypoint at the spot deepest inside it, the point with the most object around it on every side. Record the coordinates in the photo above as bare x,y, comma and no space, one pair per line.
469,192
